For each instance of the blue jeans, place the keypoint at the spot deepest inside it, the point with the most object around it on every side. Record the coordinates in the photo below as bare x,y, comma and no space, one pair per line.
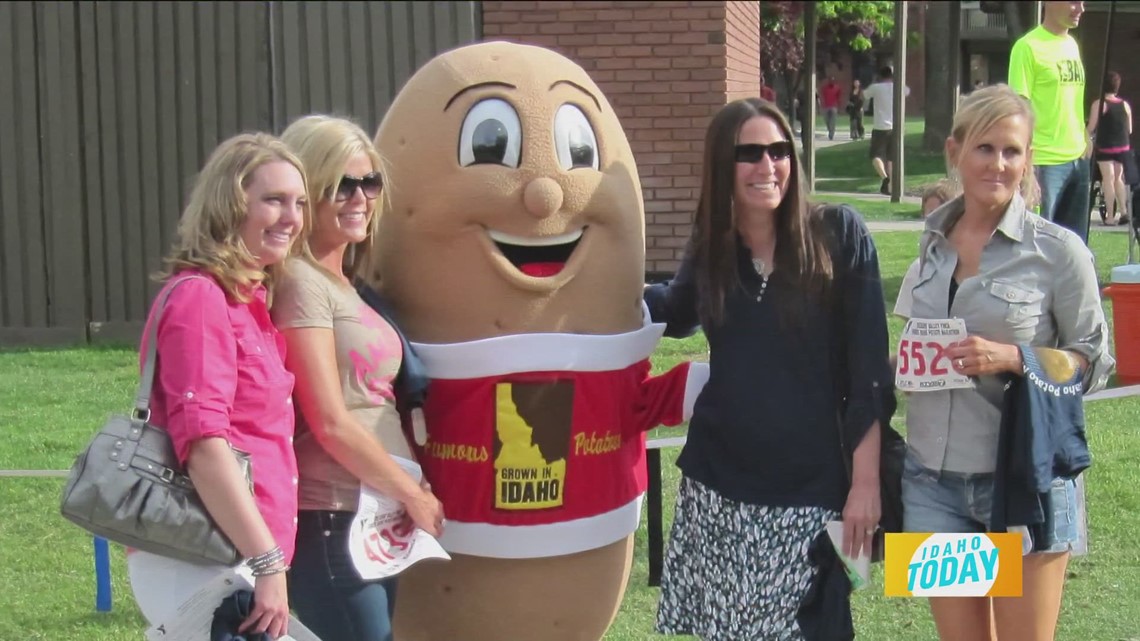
1065,195
326,592
941,501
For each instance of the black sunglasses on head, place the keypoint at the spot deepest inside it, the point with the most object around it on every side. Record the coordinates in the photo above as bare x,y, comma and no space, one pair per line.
370,184
781,150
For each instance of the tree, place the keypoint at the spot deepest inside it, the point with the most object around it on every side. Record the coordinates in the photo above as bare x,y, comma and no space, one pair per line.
852,25
939,112
1019,16
782,47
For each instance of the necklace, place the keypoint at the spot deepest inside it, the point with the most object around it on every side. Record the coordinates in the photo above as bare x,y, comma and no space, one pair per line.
759,266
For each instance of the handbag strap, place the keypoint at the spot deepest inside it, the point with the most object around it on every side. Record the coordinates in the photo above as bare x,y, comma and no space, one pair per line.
146,381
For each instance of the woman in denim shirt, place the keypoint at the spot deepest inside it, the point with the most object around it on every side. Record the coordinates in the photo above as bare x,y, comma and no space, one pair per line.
1015,279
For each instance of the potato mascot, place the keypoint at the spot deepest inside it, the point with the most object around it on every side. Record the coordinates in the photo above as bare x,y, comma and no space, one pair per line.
512,247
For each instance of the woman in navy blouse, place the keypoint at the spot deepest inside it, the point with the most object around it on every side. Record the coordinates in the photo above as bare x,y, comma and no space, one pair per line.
789,297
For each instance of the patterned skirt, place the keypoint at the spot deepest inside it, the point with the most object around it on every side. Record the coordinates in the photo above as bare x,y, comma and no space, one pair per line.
736,571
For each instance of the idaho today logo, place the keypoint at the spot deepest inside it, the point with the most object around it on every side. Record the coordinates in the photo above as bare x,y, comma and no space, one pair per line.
920,564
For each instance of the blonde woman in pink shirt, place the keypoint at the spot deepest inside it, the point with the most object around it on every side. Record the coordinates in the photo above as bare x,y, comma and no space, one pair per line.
221,381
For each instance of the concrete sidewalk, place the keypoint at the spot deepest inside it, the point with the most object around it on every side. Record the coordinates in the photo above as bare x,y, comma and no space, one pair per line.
842,135
917,225
894,225
846,196
842,197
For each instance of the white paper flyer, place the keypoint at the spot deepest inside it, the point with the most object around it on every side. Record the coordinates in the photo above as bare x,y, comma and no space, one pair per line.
859,568
192,620
382,541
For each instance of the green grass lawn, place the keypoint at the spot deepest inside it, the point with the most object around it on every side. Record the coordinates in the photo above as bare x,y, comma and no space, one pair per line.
875,209
847,167
51,401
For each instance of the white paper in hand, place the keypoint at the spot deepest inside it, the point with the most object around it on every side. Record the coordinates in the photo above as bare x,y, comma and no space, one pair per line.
382,541
859,568
193,618
922,362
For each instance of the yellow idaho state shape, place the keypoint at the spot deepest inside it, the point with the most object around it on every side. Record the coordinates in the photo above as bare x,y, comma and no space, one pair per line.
1059,366
524,479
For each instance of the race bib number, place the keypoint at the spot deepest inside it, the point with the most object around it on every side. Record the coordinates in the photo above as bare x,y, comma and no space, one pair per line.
382,541
922,362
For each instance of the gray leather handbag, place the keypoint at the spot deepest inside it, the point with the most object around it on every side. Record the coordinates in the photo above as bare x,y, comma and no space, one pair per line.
128,486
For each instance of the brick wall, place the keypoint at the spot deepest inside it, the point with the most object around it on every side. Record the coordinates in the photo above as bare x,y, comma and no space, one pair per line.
742,39
666,67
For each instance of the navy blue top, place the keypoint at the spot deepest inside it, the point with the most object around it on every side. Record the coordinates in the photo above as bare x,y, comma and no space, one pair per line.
1042,437
765,429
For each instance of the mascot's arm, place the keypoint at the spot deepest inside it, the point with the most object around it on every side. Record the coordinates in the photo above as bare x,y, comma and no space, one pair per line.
675,302
668,399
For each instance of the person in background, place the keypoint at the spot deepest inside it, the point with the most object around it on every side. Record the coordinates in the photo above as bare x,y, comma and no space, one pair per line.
806,129
1045,67
933,197
829,97
766,91
882,94
221,382
1017,281
345,357
855,106
766,274
1110,126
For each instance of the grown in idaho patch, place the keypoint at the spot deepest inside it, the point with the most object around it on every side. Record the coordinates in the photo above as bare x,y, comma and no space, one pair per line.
532,441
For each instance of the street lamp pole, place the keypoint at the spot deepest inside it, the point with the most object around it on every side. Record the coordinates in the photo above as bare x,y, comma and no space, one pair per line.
897,173
811,23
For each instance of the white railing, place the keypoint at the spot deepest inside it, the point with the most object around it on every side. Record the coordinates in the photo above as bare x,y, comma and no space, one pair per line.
974,22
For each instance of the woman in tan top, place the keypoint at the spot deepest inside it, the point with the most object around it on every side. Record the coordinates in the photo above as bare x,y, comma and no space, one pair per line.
345,358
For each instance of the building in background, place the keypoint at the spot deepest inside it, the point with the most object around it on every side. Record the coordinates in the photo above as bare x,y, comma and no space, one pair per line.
108,109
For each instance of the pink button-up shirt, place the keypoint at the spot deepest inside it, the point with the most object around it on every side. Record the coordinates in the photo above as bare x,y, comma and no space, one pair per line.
221,373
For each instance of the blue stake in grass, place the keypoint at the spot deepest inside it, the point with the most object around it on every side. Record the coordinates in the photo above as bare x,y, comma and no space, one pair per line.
102,575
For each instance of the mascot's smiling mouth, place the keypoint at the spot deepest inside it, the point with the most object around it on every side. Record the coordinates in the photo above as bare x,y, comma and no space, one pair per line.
537,257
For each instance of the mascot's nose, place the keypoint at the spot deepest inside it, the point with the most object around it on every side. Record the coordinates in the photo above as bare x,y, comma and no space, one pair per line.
542,197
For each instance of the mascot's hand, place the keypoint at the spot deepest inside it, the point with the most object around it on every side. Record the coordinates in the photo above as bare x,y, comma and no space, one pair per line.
425,511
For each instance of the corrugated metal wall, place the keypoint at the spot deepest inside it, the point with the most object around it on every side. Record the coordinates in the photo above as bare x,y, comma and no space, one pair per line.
23,281
108,109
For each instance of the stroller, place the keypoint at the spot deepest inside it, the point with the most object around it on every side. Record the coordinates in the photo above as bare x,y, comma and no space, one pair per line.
1096,199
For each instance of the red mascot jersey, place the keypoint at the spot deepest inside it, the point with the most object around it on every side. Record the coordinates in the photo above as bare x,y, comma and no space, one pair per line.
536,443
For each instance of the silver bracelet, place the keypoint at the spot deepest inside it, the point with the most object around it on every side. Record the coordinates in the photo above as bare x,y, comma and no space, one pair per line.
270,571
266,559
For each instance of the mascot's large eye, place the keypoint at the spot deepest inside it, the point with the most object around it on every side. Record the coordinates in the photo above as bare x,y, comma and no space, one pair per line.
491,135
574,139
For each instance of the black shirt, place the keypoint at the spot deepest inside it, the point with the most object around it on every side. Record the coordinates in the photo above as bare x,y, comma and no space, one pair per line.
766,428
1112,126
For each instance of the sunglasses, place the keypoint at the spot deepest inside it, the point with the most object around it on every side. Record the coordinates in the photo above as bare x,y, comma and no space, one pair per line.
777,151
370,184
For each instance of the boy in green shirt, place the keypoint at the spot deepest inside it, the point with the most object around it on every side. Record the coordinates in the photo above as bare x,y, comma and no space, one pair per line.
1045,67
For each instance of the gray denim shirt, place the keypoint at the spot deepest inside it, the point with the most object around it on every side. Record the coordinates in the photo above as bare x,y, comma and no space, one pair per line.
1036,284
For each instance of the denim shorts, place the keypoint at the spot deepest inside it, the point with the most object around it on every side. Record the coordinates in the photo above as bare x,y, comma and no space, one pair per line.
941,501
